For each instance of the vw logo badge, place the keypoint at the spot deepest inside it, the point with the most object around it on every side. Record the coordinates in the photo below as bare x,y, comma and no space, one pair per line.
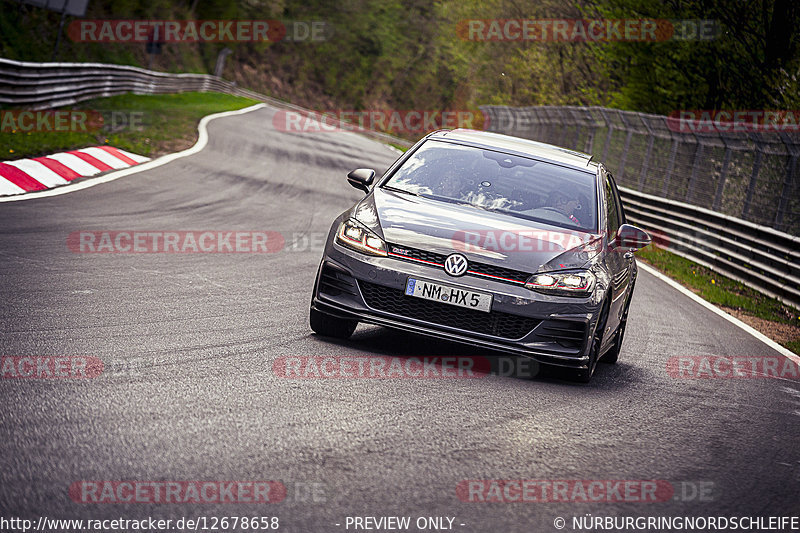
455,265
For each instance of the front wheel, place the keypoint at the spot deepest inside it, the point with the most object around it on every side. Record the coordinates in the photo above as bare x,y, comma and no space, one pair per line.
612,355
331,326
585,375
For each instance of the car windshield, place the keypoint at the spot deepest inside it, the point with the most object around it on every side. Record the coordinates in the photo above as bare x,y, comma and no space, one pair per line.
495,181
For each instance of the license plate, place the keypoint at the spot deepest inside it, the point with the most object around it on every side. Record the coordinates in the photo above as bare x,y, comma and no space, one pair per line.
428,290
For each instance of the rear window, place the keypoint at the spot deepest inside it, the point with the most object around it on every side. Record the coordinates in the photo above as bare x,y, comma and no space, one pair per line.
485,179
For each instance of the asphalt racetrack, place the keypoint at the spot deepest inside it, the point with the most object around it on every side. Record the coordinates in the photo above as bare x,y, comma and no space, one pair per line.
188,389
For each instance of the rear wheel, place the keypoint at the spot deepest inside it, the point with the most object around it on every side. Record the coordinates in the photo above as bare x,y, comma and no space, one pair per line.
331,326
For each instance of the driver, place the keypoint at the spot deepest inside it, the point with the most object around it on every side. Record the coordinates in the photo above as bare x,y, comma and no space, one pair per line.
567,202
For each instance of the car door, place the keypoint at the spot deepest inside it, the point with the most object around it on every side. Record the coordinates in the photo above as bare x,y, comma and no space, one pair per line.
619,258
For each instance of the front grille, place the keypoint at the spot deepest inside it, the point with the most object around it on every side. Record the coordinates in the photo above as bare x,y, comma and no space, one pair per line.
496,271
334,282
508,275
567,333
493,323
416,253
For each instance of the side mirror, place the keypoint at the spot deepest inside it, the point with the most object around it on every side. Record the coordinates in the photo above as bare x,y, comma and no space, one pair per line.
361,178
631,237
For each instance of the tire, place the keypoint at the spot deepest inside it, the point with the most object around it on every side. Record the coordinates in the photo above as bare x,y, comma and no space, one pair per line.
612,355
331,326
585,375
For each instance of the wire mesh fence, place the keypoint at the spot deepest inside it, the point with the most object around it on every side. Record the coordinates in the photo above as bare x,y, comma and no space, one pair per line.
752,175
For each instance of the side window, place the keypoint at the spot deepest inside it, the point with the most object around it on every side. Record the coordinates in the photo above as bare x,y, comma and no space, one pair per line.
617,200
612,209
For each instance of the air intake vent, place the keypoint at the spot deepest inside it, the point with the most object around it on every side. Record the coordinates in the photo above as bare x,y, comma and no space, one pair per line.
334,282
567,333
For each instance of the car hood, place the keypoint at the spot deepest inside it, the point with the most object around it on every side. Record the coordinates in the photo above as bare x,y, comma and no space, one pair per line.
492,238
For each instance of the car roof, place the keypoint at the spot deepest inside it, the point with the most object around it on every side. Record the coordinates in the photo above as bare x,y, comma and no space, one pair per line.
527,147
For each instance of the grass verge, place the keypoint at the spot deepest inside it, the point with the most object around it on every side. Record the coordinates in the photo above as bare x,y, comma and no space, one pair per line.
149,125
773,318
399,147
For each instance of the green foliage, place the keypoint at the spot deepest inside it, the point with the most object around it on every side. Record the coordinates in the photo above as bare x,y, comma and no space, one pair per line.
750,64
407,54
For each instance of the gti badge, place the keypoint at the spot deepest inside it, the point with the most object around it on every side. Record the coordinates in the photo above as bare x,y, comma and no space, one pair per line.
455,265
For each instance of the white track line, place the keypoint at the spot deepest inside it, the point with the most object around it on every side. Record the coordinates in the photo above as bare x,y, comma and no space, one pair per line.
713,308
202,141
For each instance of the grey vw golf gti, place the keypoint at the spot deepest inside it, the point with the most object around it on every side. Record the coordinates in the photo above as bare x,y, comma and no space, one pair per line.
489,240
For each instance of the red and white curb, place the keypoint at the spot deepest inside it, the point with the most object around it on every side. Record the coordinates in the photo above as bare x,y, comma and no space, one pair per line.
40,173
202,141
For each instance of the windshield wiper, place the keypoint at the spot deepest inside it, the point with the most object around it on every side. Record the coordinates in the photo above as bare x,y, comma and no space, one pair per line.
395,189
489,209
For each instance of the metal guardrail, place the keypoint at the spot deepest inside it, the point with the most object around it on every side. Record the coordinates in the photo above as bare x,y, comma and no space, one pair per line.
694,191
759,257
47,85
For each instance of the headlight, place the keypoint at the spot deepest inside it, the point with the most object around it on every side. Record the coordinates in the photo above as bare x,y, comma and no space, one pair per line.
562,283
353,235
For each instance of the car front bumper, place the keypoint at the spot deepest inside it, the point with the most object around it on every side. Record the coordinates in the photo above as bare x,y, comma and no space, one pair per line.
551,329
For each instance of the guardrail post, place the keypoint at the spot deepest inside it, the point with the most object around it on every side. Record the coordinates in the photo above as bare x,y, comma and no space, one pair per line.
723,176
578,126
786,193
608,136
534,121
60,31
753,179
698,158
563,138
646,161
592,131
788,184
670,165
621,172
